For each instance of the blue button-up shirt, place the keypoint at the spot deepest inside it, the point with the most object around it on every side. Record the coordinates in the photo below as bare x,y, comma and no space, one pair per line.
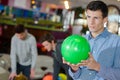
105,49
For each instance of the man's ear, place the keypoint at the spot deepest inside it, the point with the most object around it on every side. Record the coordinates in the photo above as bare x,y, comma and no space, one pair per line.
105,20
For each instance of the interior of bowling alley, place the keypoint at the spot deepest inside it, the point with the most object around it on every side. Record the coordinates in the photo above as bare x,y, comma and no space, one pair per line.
33,35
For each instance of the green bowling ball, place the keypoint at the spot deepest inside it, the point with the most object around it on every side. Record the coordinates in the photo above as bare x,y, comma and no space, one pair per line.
75,48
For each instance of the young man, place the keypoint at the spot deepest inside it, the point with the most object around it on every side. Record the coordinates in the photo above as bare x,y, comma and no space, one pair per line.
104,59
50,44
23,53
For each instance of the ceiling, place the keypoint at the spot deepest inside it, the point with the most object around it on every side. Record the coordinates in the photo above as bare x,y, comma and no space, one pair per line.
82,3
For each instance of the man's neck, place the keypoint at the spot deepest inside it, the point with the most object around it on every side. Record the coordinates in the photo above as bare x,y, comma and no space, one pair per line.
95,34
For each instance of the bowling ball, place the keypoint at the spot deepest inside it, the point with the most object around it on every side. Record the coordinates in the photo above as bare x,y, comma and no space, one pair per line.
62,76
20,77
48,76
75,48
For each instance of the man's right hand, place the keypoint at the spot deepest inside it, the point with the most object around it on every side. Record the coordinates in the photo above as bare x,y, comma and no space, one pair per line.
12,76
74,67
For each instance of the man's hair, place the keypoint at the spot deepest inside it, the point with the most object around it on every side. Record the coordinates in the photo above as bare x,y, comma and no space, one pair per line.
98,5
47,37
19,28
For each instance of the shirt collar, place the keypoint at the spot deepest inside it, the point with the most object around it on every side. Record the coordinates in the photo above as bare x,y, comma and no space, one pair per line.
104,34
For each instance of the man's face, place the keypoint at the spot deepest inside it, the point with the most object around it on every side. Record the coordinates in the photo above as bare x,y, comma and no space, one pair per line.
95,21
21,36
47,45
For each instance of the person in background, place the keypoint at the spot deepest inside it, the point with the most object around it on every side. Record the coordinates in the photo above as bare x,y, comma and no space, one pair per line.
51,44
23,53
104,59
113,27
113,19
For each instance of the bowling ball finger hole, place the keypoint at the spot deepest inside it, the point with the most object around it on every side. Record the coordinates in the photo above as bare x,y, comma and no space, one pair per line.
43,68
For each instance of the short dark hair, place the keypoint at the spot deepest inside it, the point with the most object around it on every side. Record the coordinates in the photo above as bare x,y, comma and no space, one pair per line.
98,5
47,37
19,28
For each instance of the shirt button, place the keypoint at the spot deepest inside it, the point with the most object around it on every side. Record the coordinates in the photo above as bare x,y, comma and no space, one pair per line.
90,73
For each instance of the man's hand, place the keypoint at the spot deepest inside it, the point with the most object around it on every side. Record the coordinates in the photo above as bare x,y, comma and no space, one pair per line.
74,67
90,63
32,74
12,76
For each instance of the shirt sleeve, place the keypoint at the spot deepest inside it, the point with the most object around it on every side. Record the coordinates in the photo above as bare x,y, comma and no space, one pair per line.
75,75
34,52
13,55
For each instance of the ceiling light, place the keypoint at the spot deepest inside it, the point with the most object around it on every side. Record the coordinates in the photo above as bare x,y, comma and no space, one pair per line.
33,2
66,3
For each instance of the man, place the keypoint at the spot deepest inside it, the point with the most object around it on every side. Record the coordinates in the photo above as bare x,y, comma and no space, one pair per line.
23,53
50,44
104,59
